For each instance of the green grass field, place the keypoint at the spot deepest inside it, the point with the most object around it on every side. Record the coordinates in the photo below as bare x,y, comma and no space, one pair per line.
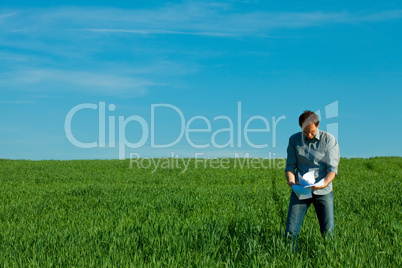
104,213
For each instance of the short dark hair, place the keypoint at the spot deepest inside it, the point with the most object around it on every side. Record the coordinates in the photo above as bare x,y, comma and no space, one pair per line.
307,118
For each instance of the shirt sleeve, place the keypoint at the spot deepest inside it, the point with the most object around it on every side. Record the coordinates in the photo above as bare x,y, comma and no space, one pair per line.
333,155
291,158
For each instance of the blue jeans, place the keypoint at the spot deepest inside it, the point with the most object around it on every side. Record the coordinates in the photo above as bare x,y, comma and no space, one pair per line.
324,207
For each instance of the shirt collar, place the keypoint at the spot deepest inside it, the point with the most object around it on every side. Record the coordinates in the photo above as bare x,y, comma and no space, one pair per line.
317,135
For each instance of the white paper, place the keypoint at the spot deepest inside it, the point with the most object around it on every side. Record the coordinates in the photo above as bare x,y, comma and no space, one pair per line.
307,179
320,183
301,192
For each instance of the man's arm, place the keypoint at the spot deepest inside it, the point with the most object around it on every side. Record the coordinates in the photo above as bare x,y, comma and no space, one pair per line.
290,177
290,164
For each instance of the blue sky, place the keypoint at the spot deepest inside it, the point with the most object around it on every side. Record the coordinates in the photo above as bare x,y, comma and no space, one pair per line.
197,65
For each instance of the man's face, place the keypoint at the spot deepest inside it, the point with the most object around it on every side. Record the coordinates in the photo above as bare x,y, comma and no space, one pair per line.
310,131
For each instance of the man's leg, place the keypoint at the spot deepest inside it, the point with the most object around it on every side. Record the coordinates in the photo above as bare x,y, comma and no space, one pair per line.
297,211
324,207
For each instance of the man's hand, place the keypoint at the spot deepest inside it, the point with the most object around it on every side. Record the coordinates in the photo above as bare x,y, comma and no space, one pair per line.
328,179
291,183
318,187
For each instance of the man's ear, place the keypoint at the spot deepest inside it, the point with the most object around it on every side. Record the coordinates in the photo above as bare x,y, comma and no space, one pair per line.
318,124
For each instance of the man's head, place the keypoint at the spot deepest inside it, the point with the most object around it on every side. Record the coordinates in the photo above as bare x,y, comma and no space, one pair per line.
309,123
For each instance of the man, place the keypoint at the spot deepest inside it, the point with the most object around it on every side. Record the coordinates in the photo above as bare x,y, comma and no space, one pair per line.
311,150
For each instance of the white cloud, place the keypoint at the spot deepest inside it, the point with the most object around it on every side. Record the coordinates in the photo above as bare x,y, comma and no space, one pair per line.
189,18
80,36
17,102
89,82
5,16
154,31
12,57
